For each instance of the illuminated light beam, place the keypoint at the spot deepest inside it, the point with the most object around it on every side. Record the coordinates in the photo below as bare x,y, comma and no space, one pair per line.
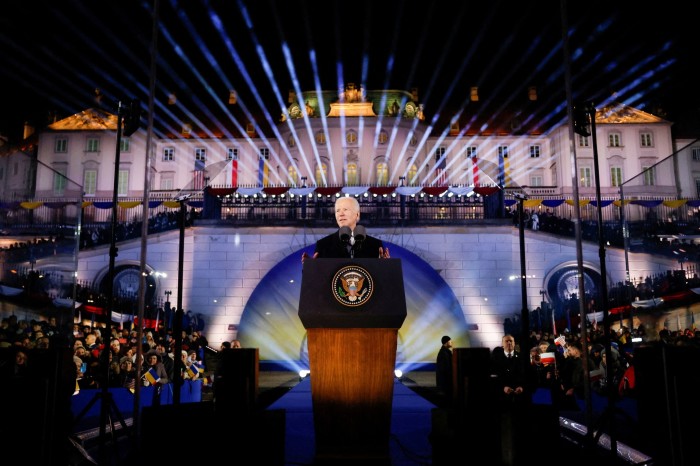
216,22
301,103
271,78
320,100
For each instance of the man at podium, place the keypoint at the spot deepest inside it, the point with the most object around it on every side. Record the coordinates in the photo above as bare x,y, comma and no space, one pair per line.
351,239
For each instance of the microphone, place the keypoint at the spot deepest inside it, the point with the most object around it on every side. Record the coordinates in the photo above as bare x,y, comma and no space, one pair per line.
360,233
345,233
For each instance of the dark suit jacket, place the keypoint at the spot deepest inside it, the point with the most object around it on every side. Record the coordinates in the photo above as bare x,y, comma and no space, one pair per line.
331,247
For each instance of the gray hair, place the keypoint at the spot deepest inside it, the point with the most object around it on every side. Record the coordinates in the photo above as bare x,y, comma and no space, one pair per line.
353,201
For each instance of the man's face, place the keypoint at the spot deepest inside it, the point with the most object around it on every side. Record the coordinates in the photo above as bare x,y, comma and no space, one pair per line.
508,343
345,215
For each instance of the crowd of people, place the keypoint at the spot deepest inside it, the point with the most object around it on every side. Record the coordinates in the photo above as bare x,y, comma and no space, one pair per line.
106,356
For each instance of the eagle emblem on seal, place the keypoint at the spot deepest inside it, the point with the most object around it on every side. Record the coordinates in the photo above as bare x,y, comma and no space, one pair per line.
352,286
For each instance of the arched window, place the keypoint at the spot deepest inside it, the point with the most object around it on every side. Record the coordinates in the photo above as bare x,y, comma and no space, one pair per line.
382,173
292,175
351,174
412,179
321,174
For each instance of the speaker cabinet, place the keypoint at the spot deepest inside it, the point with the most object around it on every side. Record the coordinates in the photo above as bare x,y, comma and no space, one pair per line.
667,380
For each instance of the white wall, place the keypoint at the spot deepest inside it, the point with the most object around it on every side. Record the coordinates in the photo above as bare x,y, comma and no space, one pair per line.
481,264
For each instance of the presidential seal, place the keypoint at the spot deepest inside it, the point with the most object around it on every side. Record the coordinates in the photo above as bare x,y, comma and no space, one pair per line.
352,286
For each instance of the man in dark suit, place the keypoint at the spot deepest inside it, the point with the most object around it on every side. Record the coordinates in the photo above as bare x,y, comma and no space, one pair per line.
347,214
512,399
443,369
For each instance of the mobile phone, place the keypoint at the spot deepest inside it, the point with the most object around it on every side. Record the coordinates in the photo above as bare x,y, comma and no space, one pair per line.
83,367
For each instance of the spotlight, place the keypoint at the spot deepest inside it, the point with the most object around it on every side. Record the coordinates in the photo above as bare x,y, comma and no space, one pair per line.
398,373
303,373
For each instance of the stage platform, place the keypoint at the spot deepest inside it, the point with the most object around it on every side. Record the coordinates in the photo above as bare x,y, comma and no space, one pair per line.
411,421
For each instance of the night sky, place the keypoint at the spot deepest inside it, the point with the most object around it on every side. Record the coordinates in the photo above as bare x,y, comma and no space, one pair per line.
55,54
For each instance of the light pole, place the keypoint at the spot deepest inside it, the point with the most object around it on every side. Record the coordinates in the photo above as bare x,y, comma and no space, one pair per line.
584,125
303,199
524,313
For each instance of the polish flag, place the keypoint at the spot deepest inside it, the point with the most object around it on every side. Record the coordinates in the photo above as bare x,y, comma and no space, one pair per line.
547,358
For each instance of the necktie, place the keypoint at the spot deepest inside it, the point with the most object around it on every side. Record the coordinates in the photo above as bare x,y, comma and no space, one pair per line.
510,355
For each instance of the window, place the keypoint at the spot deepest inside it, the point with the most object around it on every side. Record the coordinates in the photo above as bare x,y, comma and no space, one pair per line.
123,183
697,187
616,176
439,152
614,140
351,137
93,145
351,174
383,137
412,174
125,145
503,151
168,154
535,150
649,176
90,182
321,174
265,153
382,174
167,182
471,152
695,151
584,177
584,141
59,182
2,173
646,139
536,180
232,153
61,145
200,154
293,175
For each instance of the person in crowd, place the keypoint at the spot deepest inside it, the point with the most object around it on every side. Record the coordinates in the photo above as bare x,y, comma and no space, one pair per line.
189,366
167,361
127,373
347,214
199,342
236,344
443,369
508,372
571,377
160,374
116,348
150,341
155,374
19,367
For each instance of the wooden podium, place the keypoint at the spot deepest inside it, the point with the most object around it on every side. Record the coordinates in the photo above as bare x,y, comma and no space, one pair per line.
352,310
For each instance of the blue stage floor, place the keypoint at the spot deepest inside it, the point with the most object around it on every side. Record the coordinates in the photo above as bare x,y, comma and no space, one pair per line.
411,421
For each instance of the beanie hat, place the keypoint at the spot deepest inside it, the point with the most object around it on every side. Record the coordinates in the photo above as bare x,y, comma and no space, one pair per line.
445,339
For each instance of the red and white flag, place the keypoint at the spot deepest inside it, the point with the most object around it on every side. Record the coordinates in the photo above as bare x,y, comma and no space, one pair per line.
560,340
547,358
